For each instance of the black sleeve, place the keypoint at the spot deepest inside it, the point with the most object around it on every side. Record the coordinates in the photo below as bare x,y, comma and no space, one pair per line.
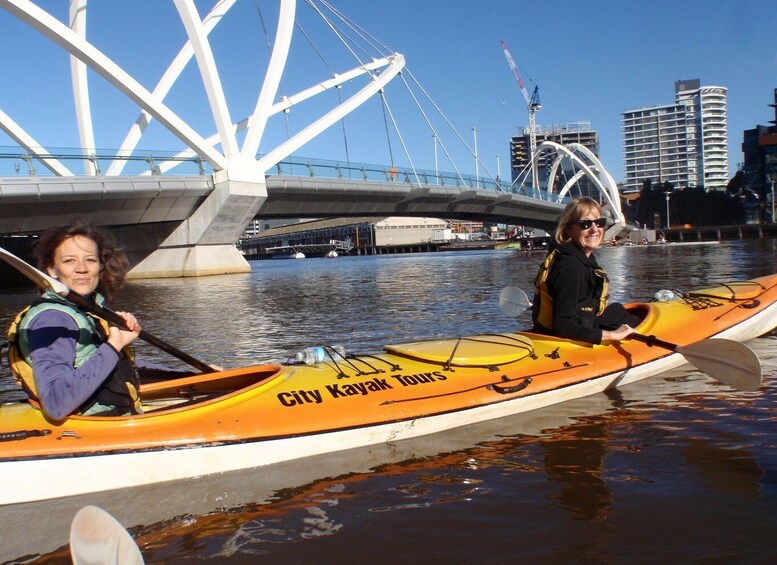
568,285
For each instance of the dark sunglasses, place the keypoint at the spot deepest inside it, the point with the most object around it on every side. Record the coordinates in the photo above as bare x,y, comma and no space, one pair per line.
586,224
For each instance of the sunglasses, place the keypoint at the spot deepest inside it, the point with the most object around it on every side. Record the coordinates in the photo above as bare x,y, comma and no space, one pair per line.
586,224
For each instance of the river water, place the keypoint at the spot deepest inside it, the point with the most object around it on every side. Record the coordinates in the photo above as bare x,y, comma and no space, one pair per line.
676,469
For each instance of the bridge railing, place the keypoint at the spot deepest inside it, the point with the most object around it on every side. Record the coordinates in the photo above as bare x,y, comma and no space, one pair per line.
16,162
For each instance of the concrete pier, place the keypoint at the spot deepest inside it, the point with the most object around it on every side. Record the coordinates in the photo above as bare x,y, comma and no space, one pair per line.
204,243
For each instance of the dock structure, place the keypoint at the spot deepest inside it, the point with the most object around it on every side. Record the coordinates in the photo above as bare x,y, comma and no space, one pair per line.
375,235
705,233
312,249
368,235
315,236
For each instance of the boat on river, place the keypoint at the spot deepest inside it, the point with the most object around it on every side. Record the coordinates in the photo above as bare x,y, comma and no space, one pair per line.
265,414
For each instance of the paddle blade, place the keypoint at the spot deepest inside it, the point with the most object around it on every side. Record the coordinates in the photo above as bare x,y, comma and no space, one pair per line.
97,538
727,361
38,277
513,301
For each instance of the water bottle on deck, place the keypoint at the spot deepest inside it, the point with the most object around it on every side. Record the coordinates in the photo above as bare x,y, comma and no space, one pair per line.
319,354
664,295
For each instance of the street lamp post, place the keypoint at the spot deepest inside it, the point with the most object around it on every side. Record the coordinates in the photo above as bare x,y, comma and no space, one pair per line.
436,173
667,208
498,175
477,174
773,178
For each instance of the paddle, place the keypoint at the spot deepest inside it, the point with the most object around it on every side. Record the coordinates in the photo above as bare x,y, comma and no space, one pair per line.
97,537
47,282
727,361
513,301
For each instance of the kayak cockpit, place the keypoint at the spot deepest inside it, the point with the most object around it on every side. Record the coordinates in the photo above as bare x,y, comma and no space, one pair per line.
196,389
641,310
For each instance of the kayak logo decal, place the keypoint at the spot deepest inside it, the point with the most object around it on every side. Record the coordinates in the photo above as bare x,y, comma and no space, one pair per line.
358,389
315,396
300,397
421,378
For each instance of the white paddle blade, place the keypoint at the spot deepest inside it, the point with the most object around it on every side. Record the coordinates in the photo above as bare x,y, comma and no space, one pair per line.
97,538
36,276
513,301
727,361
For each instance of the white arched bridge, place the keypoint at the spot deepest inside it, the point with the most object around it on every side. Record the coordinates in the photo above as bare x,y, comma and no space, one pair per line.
180,212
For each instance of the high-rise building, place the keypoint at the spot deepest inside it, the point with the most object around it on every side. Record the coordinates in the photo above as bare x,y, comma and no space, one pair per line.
565,134
685,143
760,150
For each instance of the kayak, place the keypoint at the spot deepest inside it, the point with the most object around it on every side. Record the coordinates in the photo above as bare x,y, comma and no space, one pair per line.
264,414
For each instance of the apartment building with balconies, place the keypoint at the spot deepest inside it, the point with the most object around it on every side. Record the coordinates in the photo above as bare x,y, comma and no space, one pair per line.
685,143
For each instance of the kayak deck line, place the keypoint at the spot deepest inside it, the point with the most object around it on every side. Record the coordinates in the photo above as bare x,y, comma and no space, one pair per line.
491,386
263,414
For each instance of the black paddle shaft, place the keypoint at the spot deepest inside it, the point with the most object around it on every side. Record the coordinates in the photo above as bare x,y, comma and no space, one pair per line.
653,340
115,319
649,339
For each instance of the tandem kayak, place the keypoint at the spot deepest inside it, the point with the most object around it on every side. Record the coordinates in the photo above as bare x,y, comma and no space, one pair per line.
265,414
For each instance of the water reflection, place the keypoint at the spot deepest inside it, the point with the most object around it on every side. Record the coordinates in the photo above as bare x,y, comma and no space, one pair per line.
576,461
729,470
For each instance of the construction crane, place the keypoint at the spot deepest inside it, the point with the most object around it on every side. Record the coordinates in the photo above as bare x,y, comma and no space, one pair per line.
533,105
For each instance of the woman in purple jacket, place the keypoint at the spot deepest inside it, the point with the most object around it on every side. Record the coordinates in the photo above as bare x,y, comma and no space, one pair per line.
67,360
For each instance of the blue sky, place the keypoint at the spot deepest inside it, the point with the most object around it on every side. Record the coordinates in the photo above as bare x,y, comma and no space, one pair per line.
591,60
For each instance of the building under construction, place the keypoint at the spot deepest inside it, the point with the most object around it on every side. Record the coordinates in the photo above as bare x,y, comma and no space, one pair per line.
566,134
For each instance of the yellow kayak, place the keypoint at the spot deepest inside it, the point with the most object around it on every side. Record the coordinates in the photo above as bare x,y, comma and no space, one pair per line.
263,414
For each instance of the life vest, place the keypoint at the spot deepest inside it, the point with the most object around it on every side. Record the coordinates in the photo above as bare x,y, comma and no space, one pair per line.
543,301
119,392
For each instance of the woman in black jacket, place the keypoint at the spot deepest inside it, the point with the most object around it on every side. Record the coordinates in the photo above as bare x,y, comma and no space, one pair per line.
571,289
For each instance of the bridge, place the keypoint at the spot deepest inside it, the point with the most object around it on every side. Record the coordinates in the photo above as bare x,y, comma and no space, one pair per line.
180,213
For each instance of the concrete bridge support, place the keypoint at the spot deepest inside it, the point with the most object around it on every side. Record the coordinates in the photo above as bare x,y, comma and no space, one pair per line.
204,243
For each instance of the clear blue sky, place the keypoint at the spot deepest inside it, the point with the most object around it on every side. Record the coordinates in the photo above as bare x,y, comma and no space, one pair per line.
591,60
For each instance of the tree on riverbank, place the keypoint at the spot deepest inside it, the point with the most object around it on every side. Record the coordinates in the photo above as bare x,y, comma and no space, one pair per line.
691,205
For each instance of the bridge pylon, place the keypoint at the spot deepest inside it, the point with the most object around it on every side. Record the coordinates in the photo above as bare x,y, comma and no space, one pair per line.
203,243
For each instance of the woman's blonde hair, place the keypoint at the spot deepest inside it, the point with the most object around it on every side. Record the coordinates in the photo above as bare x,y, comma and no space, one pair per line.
576,209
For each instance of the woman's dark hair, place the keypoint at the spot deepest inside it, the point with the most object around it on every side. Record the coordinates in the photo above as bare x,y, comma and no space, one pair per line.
113,262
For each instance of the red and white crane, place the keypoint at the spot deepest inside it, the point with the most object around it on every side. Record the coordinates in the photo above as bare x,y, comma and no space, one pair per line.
533,105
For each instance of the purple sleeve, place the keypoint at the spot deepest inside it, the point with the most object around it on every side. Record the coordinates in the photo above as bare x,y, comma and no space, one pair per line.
62,388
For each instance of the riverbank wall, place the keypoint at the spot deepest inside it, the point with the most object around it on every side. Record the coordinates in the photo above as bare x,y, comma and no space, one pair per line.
720,233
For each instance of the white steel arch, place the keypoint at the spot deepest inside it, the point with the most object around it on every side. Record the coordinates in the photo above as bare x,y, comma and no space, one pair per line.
239,160
80,85
587,165
163,88
204,243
